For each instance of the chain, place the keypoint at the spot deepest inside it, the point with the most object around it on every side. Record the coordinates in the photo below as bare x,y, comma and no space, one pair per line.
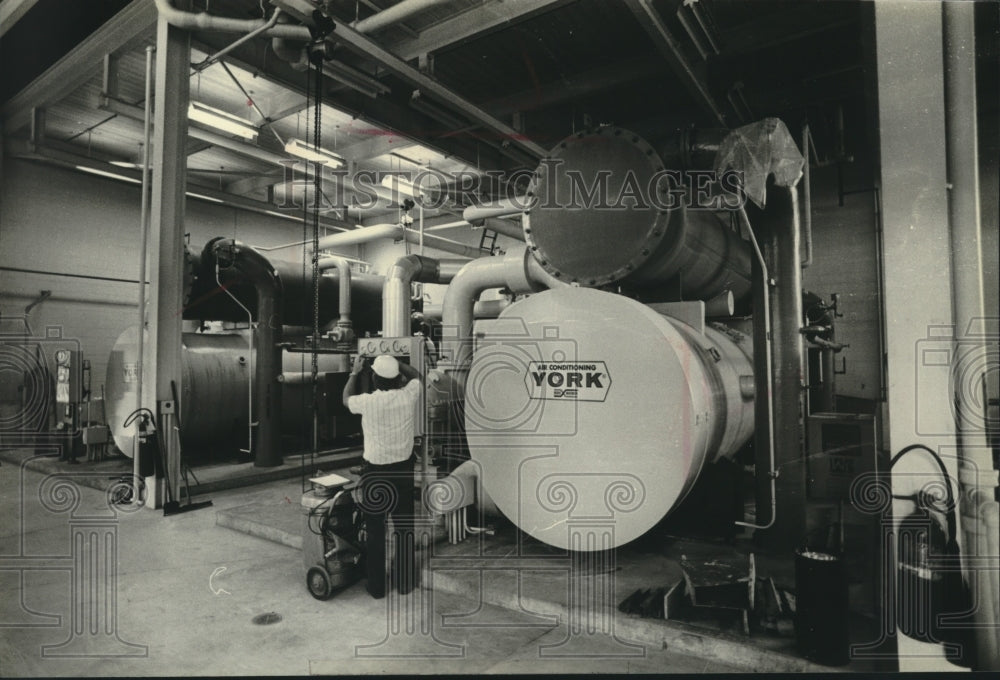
317,190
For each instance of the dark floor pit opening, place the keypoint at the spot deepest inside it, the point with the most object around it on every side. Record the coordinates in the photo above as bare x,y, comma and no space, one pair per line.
266,619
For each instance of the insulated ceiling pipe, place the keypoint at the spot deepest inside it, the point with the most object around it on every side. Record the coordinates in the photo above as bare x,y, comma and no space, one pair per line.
360,235
501,208
509,229
202,21
298,56
396,292
393,15
395,231
517,270
230,253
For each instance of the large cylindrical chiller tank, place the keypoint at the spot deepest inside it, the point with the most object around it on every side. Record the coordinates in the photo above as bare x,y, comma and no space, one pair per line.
215,401
204,300
587,406
607,211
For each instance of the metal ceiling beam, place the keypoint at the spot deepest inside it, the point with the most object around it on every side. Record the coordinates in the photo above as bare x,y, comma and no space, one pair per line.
69,156
670,48
382,112
365,47
123,30
471,24
11,11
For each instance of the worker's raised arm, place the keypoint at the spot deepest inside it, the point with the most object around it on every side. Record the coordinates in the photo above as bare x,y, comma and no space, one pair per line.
351,388
408,371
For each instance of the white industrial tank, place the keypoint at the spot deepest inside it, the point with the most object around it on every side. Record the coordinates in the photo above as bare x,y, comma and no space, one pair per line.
586,406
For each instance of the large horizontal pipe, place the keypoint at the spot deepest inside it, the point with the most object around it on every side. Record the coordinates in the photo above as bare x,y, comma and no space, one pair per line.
505,227
394,14
202,21
502,208
483,309
395,231
206,301
517,270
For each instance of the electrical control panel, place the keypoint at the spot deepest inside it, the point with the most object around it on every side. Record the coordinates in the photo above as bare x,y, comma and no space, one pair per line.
69,376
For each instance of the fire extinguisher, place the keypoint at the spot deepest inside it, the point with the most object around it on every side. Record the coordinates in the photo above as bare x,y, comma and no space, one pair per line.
931,594
149,446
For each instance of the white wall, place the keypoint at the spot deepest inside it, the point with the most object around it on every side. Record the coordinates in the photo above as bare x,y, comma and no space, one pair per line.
845,252
59,221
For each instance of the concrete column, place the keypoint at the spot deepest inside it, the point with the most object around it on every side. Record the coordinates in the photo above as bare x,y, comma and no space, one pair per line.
173,59
917,258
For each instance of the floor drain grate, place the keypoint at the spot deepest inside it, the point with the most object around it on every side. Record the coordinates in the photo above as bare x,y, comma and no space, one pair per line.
266,619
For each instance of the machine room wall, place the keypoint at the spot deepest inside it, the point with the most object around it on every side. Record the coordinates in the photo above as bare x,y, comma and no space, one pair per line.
62,222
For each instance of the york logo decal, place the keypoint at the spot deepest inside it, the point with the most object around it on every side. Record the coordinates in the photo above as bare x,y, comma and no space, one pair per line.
575,381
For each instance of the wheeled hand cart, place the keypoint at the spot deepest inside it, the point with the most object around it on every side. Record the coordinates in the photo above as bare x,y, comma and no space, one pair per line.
332,538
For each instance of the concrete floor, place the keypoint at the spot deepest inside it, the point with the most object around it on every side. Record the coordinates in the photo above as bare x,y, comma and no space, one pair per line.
188,591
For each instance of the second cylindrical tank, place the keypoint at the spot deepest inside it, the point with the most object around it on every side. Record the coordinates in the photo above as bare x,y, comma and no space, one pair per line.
607,211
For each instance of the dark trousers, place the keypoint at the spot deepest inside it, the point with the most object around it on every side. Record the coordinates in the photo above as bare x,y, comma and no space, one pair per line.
387,490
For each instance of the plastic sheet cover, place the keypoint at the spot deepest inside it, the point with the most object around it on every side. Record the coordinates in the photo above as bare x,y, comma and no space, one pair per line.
758,150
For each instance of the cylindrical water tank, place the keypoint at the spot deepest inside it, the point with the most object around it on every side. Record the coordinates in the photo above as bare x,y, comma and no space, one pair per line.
608,211
214,384
583,405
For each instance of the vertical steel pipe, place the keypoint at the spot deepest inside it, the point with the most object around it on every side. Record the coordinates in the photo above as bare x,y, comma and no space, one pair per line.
143,242
780,223
978,498
343,268
267,405
396,292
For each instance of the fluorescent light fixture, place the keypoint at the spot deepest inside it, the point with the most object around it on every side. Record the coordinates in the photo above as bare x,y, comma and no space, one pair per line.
221,120
297,147
127,164
203,197
102,173
400,186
